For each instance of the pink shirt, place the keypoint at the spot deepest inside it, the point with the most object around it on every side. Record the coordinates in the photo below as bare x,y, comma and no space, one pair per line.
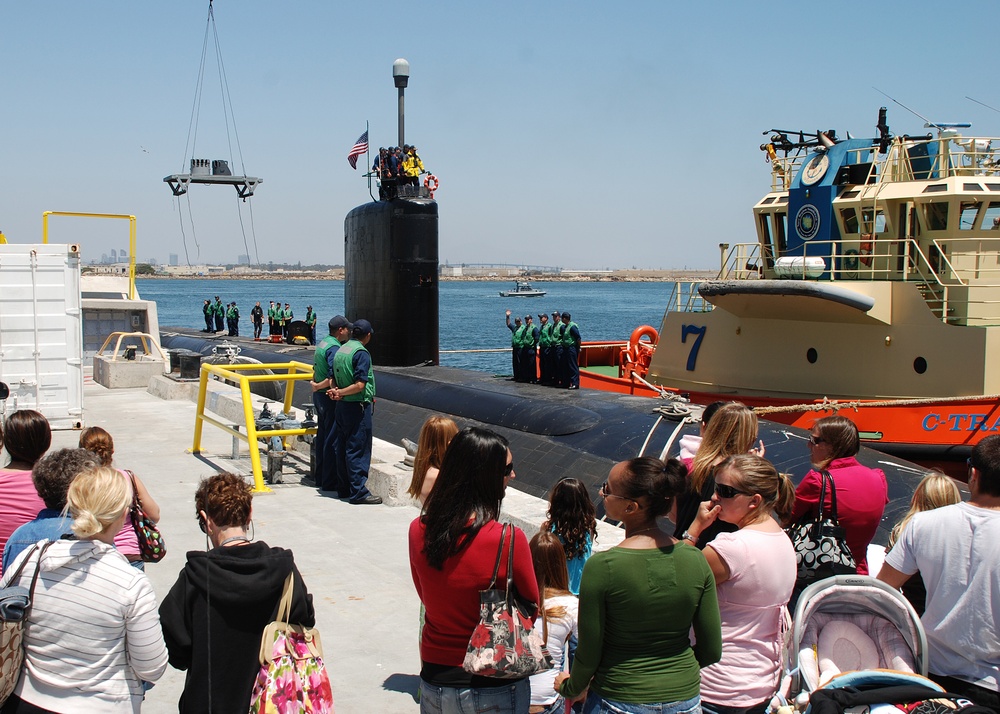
19,502
762,574
127,542
861,497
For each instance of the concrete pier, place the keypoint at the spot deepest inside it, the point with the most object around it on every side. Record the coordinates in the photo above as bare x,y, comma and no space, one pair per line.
353,558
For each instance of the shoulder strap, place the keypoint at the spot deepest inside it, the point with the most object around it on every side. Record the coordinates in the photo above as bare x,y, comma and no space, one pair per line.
17,573
34,578
510,568
135,491
833,495
496,566
285,604
823,474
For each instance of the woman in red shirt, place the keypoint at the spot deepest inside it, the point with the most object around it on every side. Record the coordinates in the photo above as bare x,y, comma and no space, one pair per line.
861,492
453,548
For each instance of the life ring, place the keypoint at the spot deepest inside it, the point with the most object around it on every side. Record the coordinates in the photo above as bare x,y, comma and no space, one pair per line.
641,353
431,179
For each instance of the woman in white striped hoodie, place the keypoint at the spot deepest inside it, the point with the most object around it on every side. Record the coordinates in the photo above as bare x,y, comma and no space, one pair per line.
93,634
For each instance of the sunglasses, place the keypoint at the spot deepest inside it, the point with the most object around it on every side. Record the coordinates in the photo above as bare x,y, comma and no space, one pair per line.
508,469
815,440
726,491
604,493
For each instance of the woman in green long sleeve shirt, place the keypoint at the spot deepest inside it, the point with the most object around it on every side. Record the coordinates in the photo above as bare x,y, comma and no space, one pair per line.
639,602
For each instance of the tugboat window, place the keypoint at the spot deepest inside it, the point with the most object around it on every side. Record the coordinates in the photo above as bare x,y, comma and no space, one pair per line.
850,217
879,221
919,365
936,215
969,211
991,216
812,355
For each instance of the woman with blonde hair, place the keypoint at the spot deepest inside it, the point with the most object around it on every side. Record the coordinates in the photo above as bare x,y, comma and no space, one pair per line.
435,435
934,491
732,430
862,492
92,637
99,442
754,569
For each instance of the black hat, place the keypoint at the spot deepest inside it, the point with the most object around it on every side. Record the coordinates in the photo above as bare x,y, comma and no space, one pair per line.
362,328
337,322
528,317
566,315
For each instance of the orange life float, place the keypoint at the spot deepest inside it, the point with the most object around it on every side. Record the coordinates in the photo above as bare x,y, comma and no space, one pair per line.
640,353
432,179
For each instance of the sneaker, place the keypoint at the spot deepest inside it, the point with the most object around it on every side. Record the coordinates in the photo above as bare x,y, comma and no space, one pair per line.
369,500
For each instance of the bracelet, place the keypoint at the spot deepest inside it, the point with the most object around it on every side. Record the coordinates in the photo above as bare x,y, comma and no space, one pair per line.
687,536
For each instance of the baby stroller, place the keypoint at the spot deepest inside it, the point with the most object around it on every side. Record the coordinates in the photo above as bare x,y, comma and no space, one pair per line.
851,623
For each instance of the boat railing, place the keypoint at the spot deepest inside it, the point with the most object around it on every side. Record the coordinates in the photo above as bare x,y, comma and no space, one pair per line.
684,297
909,159
741,261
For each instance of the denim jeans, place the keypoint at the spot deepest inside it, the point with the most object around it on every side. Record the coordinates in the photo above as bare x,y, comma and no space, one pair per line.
596,704
354,445
511,699
556,707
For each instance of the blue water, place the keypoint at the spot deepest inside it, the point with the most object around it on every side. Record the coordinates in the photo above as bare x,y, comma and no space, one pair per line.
472,313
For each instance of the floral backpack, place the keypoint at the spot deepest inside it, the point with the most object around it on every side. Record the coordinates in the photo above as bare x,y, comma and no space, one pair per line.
292,675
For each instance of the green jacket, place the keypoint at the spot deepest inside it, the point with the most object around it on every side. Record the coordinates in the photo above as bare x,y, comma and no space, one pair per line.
310,318
320,368
521,336
343,372
566,337
219,309
545,338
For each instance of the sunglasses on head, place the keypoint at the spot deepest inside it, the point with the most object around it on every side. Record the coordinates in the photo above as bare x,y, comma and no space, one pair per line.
726,491
815,440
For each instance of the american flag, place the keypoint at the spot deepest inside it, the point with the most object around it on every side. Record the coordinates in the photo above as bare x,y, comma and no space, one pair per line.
360,147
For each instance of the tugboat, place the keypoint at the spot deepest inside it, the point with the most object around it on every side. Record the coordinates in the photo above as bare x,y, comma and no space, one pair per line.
522,288
873,289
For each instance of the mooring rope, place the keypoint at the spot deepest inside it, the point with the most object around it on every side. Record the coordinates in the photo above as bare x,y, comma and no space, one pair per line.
836,405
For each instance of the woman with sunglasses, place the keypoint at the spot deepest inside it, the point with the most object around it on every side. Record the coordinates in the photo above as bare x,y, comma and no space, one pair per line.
453,550
861,492
732,430
640,600
754,570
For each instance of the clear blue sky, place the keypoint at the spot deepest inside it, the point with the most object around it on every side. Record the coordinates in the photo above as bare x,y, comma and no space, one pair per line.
578,134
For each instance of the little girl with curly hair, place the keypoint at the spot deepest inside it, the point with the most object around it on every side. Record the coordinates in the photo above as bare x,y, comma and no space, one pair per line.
573,518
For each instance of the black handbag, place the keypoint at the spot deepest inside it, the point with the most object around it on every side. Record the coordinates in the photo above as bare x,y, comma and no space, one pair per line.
821,549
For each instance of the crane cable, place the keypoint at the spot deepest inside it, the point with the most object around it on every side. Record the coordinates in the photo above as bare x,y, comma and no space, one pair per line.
192,136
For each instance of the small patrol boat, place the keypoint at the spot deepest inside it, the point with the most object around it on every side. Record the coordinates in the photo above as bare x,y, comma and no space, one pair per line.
522,288
872,290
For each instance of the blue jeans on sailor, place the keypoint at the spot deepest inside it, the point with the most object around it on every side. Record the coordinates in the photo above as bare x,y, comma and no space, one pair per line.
511,699
596,704
354,437
326,464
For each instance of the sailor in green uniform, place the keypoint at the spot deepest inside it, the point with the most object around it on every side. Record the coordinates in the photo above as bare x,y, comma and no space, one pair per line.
326,474
529,343
545,349
570,352
557,350
311,321
286,320
351,367
516,331
220,313
209,313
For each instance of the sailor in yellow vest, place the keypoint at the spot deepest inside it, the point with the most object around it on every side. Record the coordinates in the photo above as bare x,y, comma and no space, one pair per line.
351,367
412,165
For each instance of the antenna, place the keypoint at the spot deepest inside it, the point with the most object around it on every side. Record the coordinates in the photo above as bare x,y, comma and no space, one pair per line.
917,114
983,104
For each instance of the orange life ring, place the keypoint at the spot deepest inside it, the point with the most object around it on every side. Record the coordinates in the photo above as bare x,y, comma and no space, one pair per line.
641,353
432,179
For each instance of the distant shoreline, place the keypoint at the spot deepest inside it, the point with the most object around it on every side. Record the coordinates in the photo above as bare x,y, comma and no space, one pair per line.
624,276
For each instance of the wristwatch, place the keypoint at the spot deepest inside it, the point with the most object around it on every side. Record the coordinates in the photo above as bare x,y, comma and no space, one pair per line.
687,536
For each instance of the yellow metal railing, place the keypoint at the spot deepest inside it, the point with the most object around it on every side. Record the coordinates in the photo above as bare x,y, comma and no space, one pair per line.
131,238
288,372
